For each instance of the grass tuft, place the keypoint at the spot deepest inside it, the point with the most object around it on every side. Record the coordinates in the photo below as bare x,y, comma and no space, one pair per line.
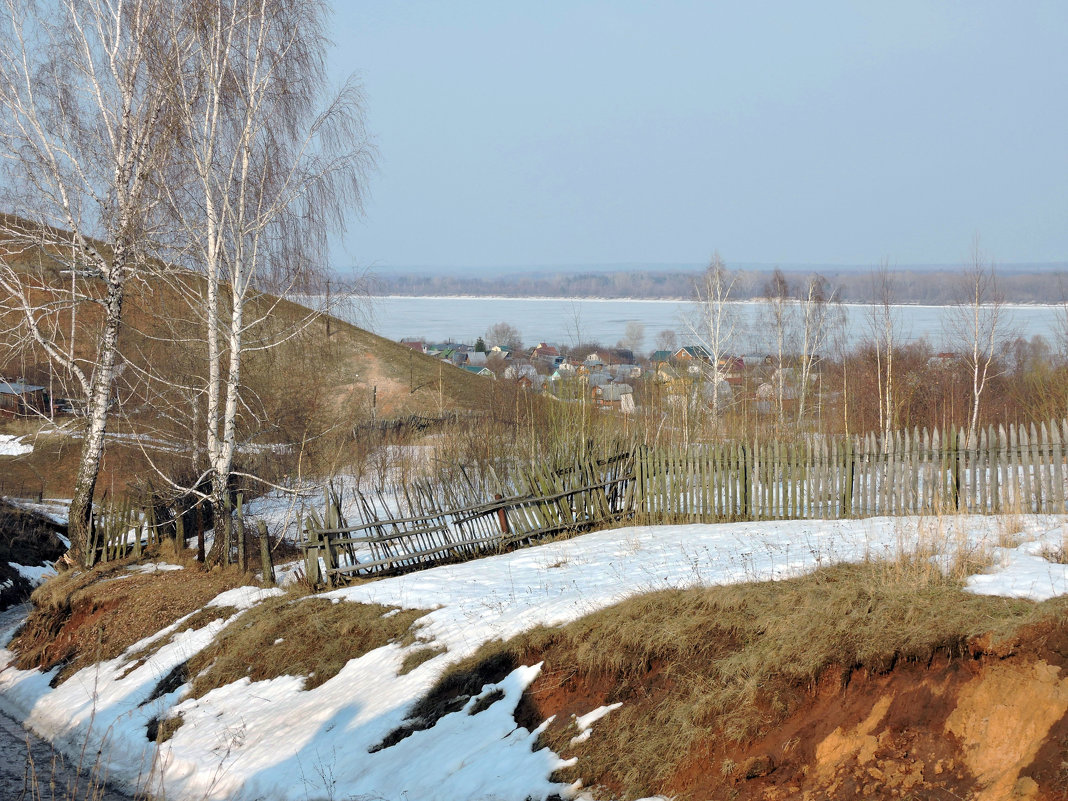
418,657
310,637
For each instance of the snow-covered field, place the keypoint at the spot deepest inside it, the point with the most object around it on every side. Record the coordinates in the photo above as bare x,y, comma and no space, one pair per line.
273,740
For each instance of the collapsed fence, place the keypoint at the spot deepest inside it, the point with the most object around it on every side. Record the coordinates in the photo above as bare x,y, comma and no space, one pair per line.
1007,469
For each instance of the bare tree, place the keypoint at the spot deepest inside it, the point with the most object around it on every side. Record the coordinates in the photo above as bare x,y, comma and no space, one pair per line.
266,170
716,321
883,324
573,324
667,340
1062,319
977,323
633,336
504,335
779,313
816,304
84,126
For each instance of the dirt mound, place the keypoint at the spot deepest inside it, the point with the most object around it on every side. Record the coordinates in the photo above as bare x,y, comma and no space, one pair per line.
990,725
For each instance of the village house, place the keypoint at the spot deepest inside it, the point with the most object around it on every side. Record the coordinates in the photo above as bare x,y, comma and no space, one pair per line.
544,352
19,399
693,353
514,372
611,395
660,357
732,370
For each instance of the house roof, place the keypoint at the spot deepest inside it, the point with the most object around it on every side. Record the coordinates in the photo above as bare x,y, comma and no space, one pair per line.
474,368
18,388
543,349
694,352
614,392
662,355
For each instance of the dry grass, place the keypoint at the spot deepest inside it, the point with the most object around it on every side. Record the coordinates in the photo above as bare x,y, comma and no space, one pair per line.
417,657
697,667
85,616
287,636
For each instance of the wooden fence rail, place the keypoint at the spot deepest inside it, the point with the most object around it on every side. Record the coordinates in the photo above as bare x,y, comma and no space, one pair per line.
1007,469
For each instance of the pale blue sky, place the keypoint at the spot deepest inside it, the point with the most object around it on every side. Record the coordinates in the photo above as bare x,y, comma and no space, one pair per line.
549,133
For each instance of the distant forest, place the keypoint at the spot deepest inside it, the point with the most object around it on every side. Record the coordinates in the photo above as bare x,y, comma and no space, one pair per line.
926,286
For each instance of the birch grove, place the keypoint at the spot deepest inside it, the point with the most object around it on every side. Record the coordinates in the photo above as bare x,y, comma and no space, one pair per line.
84,128
265,171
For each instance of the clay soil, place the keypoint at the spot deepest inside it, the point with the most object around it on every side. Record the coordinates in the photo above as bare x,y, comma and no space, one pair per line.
989,725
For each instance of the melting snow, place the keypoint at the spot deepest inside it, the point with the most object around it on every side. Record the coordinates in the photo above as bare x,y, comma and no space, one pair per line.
274,741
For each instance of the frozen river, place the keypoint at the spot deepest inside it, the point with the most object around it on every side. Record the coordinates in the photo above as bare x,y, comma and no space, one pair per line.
567,321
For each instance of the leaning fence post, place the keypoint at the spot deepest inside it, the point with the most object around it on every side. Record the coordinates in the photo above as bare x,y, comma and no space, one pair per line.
242,560
311,553
266,563
200,531
956,468
502,516
747,495
847,490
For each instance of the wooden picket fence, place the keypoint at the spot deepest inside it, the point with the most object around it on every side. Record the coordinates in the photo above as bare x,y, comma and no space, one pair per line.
1007,469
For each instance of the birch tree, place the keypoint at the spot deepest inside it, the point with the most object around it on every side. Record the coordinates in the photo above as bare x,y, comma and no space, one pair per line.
816,303
84,127
883,326
716,321
779,318
269,165
977,324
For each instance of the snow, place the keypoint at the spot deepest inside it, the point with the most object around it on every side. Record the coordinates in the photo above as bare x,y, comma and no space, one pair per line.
153,567
585,722
35,574
274,741
55,509
1025,571
244,597
10,446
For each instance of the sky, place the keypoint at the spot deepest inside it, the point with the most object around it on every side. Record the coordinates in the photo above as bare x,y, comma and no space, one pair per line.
552,133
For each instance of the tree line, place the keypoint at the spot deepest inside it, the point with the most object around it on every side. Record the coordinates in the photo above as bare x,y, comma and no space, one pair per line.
933,286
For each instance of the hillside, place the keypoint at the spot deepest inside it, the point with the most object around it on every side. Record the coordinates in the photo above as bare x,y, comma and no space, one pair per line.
774,660
307,395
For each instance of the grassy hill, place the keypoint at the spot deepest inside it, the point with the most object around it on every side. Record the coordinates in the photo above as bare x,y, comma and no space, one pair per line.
308,394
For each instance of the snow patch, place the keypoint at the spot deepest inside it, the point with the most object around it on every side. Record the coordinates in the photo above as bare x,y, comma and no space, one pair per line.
10,446
35,574
154,567
585,723
275,741
244,597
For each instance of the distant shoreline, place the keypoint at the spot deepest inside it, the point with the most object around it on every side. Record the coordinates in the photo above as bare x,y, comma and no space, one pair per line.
746,302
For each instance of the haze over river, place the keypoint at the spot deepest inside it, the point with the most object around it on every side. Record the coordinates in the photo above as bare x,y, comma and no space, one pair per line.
569,321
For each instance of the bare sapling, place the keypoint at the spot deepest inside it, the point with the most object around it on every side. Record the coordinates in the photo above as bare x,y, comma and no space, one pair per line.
715,327
977,325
